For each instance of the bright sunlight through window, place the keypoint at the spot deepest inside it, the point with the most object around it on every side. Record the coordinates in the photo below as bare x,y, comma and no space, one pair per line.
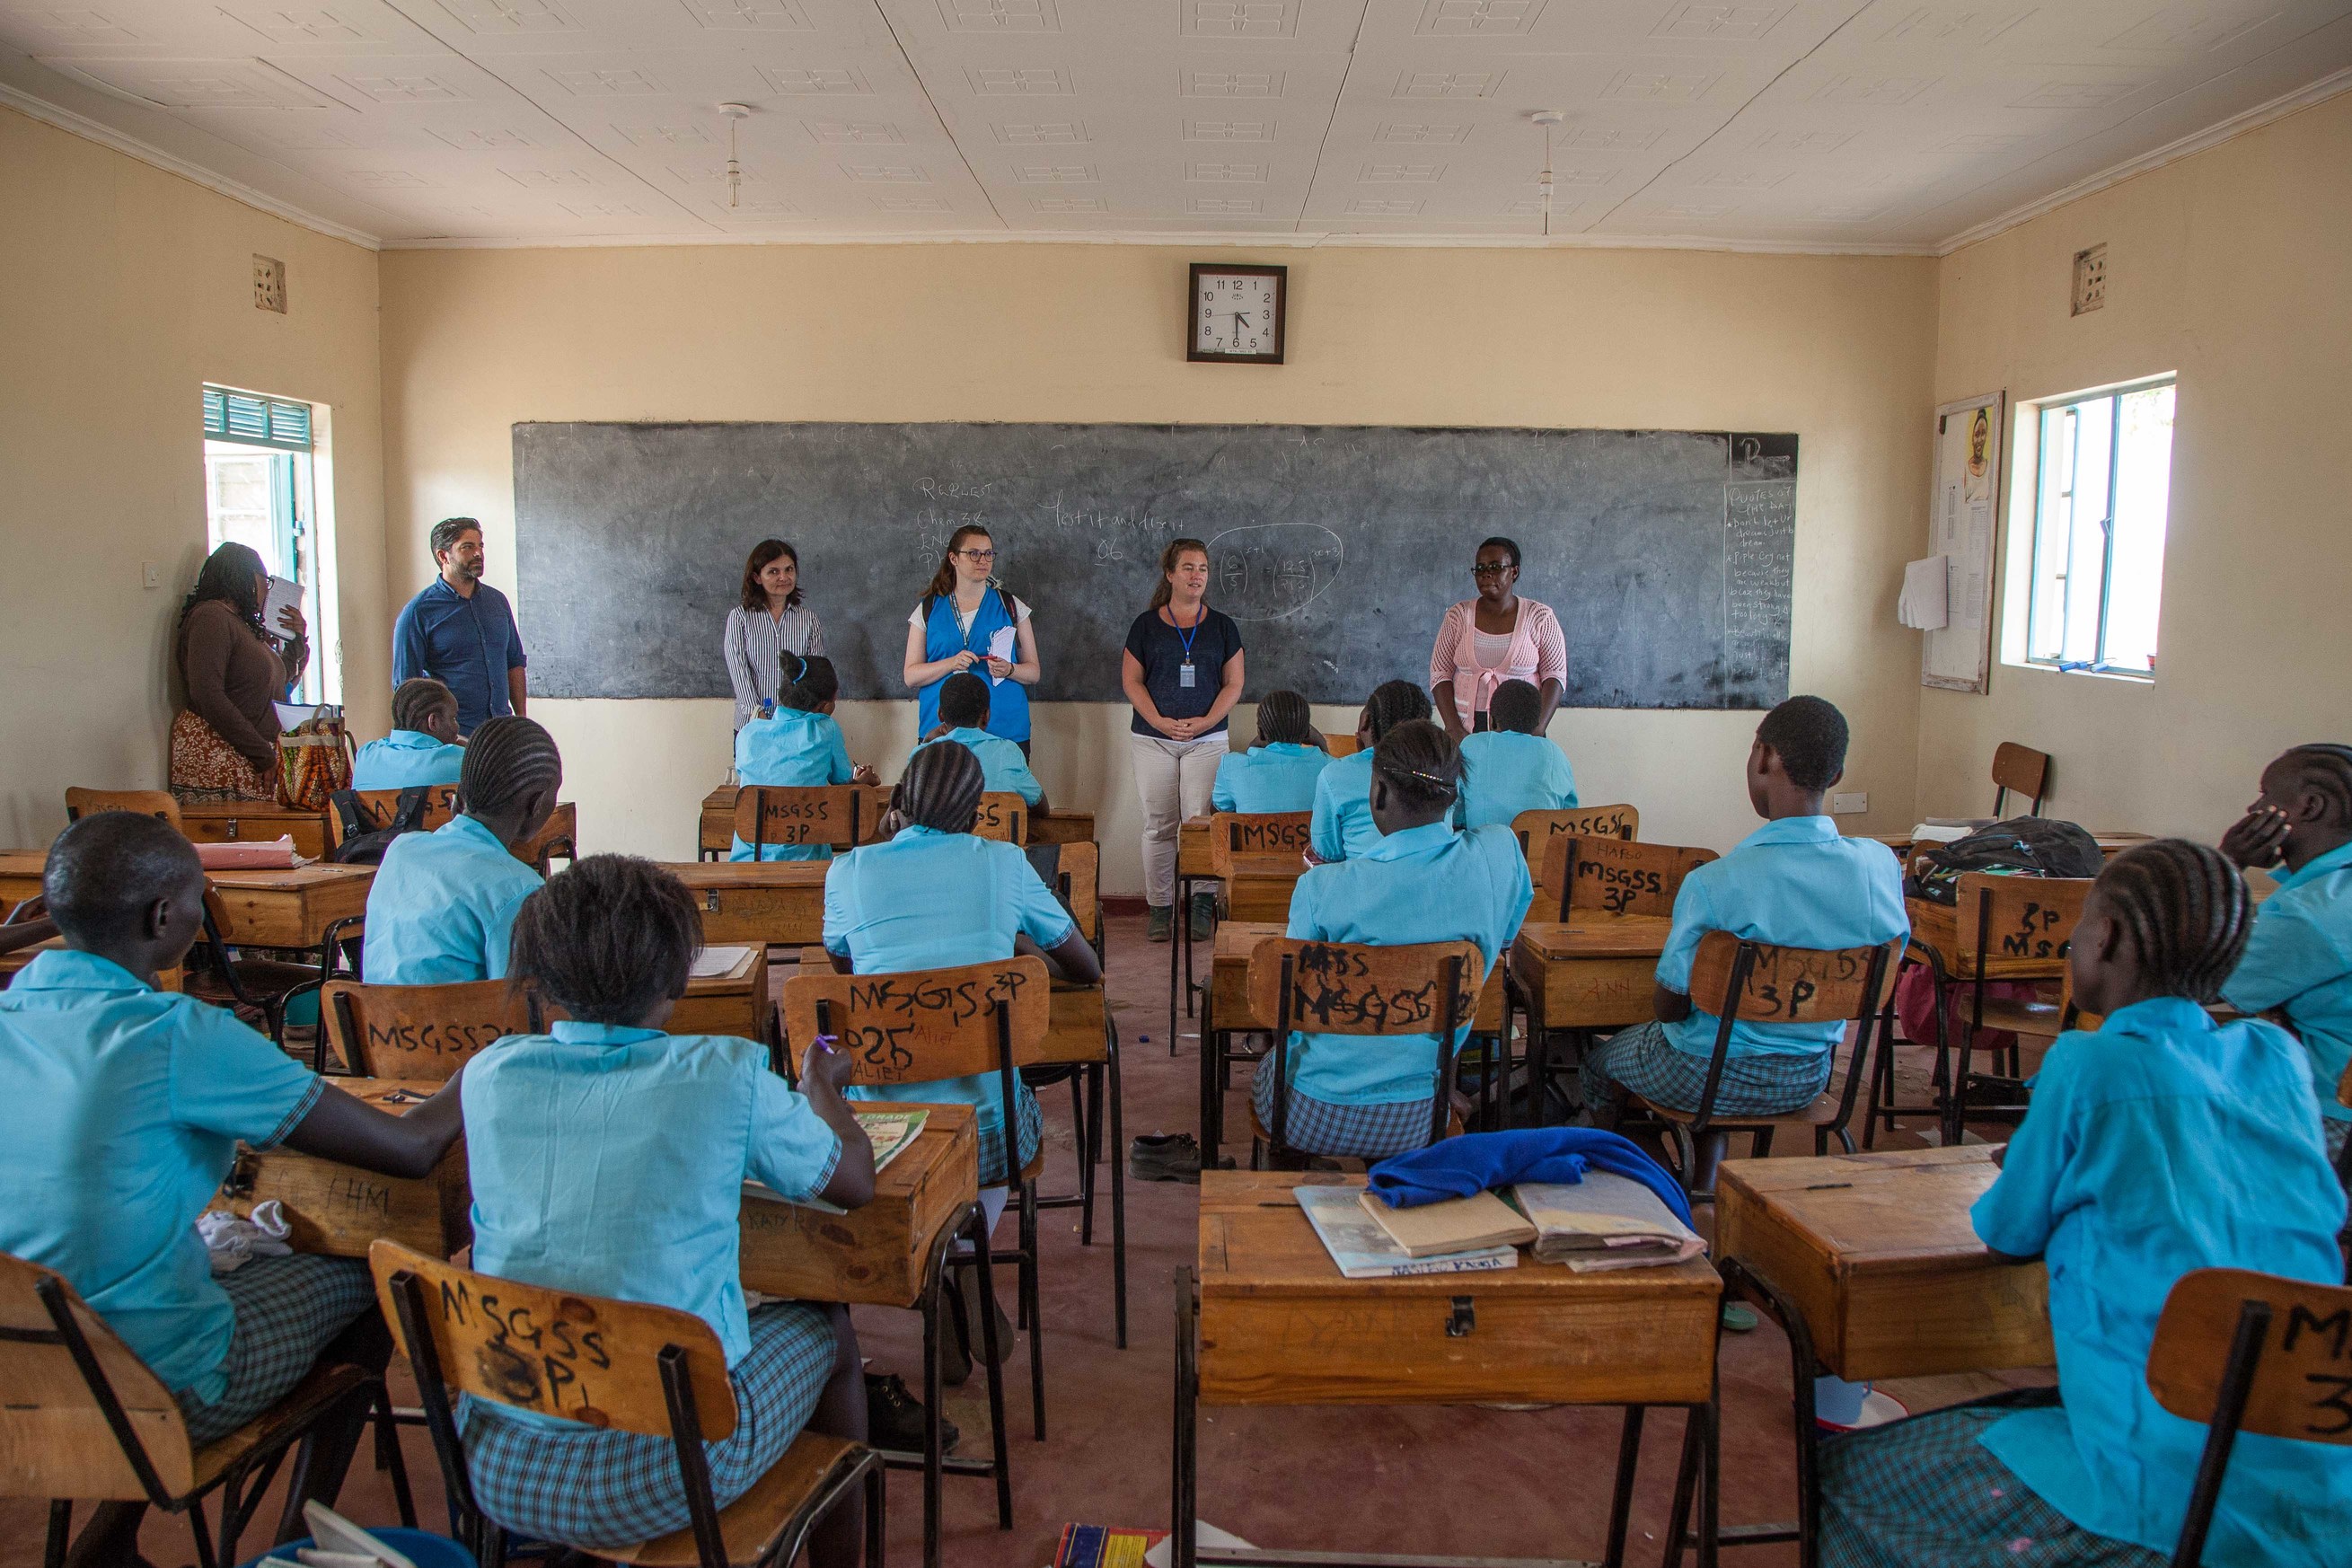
2104,480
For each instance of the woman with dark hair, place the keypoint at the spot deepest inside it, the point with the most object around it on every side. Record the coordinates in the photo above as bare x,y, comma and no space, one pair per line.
233,668
1494,638
768,624
1182,671
967,620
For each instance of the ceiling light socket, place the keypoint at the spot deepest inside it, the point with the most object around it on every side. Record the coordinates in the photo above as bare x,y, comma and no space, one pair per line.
736,111
1547,116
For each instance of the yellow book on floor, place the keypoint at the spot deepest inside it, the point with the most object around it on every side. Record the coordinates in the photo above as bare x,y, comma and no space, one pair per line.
1454,1224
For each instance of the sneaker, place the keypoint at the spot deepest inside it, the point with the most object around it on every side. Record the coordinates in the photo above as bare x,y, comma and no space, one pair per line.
1155,928
1204,916
894,1418
1165,1157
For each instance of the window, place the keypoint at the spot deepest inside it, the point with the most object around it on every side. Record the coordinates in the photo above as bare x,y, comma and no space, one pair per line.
2097,568
264,468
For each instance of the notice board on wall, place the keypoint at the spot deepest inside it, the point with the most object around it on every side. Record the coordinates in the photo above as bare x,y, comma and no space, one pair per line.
1964,528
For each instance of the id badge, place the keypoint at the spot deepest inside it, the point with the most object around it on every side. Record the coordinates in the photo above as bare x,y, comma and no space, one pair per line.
1184,675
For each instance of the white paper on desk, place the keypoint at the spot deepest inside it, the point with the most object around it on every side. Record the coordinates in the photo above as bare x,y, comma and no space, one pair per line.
1924,603
714,961
1000,645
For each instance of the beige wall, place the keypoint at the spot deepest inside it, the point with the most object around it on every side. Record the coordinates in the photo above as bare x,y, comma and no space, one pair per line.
1838,350
2234,269
122,289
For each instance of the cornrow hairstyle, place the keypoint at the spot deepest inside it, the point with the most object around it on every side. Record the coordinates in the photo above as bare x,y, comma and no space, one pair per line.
417,699
1395,703
607,939
1421,762
107,868
227,575
2185,909
2326,770
1809,734
506,759
1499,543
1283,716
963,701
817,684
1516,706
941,787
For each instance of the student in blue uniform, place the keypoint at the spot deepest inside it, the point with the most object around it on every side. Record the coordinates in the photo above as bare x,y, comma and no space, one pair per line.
1343,827
609,1158
2163,1144
2298,962
1795,882
1510,766
121,1110
443,903
799,746
1278,771
422,747
1422,882
963,719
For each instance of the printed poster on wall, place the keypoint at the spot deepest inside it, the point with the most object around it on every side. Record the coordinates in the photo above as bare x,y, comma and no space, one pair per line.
1962,513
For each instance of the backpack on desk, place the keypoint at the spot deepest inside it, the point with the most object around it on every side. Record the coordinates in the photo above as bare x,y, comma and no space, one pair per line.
361,842
2021,847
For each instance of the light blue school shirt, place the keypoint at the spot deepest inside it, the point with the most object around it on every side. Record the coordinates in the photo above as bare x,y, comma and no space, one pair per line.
1278,776
1796,882
2164,1143
929,900
405,759
612,1162
792,749
1343,827
1425,884
442,907
1505,772
120,1107
1002,765
2299,958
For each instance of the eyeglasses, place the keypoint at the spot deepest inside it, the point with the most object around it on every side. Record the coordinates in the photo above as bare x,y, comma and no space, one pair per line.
978,554
1490,568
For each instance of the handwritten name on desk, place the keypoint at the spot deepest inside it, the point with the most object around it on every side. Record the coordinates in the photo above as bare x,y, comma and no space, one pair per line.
1361,990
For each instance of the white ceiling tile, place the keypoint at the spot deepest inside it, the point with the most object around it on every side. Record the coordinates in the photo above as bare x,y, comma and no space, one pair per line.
1478,18
747,15
1245,20
1000,16
193,83
1194,81
1039,133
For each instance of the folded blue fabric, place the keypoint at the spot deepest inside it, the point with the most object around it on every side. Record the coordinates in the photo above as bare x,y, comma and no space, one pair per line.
1475,1162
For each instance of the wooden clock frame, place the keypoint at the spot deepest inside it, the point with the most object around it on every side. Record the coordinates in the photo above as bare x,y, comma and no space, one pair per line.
1193,350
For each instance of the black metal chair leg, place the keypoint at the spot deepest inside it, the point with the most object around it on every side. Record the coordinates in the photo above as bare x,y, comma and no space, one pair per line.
1119,1186
53,1551
1620,1501
390,1458
934,1456
1685,1479
1029,1263
984,1280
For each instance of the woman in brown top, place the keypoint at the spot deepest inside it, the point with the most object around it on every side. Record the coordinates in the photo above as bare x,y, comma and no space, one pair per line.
225,743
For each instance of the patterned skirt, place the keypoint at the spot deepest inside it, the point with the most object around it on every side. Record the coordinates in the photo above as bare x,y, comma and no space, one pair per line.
287,1310
1341,1131
1644,1061
205,767
992,1141
580,1487
1924,1493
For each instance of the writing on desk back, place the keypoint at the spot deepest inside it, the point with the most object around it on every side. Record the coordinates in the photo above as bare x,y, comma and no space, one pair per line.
1537,828
1003,814
1616,876
925,1024
2021,924
1258,844
1764,984
1346,988
423,1031
2299,1383
818,814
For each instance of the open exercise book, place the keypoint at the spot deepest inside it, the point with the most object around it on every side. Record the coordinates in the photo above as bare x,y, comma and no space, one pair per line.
892,1133
1364,1250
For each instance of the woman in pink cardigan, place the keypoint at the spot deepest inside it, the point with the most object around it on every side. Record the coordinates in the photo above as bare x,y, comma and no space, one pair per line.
1494,638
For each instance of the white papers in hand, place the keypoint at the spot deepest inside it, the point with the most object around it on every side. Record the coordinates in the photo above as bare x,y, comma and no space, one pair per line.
1000,645
283,595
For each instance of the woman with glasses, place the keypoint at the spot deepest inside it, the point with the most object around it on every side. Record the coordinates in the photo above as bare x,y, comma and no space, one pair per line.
966,621
1494,638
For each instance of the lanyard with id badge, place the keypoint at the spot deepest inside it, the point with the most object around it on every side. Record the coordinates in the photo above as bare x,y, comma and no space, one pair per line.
1184,673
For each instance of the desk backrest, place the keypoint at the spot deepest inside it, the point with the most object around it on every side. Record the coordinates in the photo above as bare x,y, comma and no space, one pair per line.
55,1441
1766,983
1349,988
81,803
378,807
1003,814
925,1024
800,815
560,837
1074,872
423,1031
2018,768
1537,828
2016,926
1342,745
2253,1353
1613,875
1258,844
560,1352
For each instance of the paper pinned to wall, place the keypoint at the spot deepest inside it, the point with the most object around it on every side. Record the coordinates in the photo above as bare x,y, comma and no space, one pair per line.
1955,653
1924,603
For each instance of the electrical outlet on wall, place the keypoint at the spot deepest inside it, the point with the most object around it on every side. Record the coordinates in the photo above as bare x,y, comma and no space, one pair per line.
268,284
2090,279
1846,802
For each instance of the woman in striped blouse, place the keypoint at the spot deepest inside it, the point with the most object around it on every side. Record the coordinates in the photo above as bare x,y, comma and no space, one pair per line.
769,623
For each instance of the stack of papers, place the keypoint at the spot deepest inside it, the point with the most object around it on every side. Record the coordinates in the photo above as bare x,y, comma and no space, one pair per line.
713,961
1603,1222
1455,1225
248,855
1364,1250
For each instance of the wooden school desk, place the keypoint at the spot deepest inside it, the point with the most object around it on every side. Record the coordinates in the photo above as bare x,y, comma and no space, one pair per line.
339,1209
1267,1319
291,908
715,827
735,1003
251,821
1596,970
775,903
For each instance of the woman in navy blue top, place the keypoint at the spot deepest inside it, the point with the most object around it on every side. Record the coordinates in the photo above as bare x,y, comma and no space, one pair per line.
1182,671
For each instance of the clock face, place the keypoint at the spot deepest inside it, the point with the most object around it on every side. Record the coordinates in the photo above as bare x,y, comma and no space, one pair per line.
1235,313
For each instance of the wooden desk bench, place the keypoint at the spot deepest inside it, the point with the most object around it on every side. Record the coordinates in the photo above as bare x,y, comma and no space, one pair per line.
1059,827
339,1209
288,908
774,903
1596,970
715,826
1268,1319
250,821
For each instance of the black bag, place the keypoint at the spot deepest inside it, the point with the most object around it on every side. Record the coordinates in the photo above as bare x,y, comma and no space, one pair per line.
2021,846
364,841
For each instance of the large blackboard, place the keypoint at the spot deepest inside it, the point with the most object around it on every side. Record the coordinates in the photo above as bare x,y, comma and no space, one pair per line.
1665,552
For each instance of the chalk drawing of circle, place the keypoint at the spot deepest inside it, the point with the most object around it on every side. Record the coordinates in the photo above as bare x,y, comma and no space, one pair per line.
1268,571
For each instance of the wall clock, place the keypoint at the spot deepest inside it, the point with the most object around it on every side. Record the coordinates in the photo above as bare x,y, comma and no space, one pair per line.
1237,313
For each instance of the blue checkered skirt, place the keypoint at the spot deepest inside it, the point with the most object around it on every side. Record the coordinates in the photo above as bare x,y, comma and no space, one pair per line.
1341,1131
1924,1493
991,1140
578,1486
1644,1061
287,1310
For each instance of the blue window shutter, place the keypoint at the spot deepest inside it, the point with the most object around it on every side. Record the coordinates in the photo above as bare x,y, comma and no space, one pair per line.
250,421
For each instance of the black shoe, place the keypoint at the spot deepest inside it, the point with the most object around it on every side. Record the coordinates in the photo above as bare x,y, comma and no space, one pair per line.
1204,916
1165,1157
894,1418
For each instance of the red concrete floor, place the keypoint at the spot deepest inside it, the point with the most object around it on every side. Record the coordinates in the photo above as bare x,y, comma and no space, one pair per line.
1390,1479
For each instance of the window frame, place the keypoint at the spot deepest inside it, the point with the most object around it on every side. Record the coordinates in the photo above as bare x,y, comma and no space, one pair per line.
2027,490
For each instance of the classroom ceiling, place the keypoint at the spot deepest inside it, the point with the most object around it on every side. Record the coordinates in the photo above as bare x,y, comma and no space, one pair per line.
1828,124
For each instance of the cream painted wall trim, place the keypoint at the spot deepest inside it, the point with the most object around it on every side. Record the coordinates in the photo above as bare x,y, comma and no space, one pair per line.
1314,241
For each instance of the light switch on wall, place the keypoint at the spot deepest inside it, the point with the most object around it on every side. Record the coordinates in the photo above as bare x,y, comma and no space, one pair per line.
1856,800
149,574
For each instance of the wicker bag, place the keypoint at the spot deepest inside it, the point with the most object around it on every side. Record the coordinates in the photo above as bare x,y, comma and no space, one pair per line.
314,761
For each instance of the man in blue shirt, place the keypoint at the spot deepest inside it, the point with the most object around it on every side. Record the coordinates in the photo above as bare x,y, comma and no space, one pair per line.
461,631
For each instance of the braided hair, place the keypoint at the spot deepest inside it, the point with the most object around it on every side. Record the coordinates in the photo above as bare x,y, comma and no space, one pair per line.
1515,706
963,701
2185,909
1283,718
2326,770
416,700
1395,703
1421,762
817,684
941,788
227,575
608,938
507,758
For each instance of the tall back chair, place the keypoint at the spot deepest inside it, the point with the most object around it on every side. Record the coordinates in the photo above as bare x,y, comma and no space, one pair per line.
1075,873
1352,989
2243,1351
558,839
1614,876
236,979
1003,814
423,1033
2005,927
624,1366
1536,828
802,815
1763,983
1259,857
378,807
81,803
2022,768
85,1418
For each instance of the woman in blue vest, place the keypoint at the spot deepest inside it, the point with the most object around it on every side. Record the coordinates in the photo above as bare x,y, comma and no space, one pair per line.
967,622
